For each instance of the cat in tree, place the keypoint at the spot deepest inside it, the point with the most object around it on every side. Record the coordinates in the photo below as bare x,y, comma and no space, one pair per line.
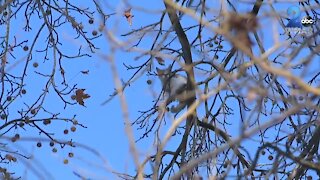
174,87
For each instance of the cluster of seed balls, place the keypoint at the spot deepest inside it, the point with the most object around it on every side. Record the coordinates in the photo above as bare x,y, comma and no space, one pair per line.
73,128
74,25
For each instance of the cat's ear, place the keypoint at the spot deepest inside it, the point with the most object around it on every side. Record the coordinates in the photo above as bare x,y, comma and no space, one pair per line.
163,72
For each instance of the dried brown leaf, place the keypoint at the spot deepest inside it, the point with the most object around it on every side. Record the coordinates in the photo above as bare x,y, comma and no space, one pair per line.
80,96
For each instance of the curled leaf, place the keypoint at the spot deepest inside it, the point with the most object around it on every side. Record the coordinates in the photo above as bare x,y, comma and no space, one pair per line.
80,96
85,72
160,61
129,16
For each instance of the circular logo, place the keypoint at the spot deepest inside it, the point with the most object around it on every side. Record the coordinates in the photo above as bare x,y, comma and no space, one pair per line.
307,21
294,12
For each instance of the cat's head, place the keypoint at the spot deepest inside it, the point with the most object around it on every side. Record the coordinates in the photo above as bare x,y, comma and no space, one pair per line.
164,72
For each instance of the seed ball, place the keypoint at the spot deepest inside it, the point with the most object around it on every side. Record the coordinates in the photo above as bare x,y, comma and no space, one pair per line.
13,139
91,21
17,136
73,128
33,111
149,81
35,64
54,150
225,165
27,120
9,98
46,121
75,122
94,32
66,131
23,91
25,48
48,11
101,28
3,116
21,124
65,161
51,143
39,144
70,154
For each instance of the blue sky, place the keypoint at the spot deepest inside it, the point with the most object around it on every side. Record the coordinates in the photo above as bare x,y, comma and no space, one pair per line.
105,125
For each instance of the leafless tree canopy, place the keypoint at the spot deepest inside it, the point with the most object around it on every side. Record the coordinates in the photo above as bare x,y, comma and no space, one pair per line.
252,93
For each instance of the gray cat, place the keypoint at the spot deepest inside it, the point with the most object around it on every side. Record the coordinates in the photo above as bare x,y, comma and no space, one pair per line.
174,86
